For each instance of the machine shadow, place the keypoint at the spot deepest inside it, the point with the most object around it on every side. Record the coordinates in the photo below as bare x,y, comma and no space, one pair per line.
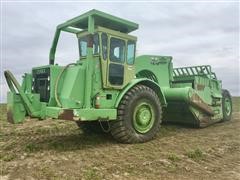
71,141
79,141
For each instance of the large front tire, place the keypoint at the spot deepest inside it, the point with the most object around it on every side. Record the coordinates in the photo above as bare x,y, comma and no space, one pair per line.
226,105
139,116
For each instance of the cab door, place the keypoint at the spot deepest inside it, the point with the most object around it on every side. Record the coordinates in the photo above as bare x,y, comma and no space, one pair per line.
116,61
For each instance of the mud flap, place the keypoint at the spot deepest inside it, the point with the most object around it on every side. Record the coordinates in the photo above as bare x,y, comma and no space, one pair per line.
16,111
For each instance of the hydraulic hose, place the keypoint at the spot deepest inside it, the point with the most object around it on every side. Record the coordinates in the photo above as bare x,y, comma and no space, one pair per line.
59,104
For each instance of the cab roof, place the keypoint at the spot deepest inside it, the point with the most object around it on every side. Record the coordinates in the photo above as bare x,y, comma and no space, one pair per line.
100,19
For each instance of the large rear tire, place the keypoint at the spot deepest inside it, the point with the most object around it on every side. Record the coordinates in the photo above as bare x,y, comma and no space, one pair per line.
226,105
139,116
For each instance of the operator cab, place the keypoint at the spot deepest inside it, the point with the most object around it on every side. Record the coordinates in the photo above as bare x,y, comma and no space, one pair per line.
116,52
107,37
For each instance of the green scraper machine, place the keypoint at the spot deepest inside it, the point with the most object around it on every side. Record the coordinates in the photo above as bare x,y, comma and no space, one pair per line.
109,89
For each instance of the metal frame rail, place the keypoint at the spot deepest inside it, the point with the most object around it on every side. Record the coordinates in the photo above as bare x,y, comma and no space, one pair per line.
194,71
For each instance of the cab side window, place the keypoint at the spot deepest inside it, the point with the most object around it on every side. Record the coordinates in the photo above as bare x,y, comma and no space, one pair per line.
83,46
130,52
104,45
95,44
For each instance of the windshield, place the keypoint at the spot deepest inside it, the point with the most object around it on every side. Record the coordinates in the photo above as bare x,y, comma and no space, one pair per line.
117,50
83,42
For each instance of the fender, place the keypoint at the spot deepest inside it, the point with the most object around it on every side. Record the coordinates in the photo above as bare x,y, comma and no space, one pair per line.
146,82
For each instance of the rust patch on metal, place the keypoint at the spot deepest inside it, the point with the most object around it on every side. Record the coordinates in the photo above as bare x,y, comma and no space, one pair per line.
198,102
206,120
90,41
67,114
10,116
200,87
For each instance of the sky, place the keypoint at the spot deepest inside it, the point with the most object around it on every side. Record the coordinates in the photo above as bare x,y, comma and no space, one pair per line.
194,33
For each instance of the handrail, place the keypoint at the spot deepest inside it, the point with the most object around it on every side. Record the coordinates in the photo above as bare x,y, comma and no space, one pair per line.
57,82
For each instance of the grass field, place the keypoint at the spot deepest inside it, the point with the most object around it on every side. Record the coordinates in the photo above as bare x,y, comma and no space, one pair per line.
55,149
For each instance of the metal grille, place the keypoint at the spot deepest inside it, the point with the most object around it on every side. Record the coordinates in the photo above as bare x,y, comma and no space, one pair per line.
41,83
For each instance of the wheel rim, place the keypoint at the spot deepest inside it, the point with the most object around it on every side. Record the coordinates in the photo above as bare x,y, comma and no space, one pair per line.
228,107
143,117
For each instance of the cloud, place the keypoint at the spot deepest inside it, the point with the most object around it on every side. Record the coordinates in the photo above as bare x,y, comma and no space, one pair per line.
193,33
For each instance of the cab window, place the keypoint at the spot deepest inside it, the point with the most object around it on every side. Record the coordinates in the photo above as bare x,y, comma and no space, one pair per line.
104,45
83,43
95,44
130,52
117,50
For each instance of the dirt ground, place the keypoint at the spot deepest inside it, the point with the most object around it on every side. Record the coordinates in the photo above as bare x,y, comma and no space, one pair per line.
55,149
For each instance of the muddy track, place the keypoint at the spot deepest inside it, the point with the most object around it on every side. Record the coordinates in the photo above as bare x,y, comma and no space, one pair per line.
59,150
